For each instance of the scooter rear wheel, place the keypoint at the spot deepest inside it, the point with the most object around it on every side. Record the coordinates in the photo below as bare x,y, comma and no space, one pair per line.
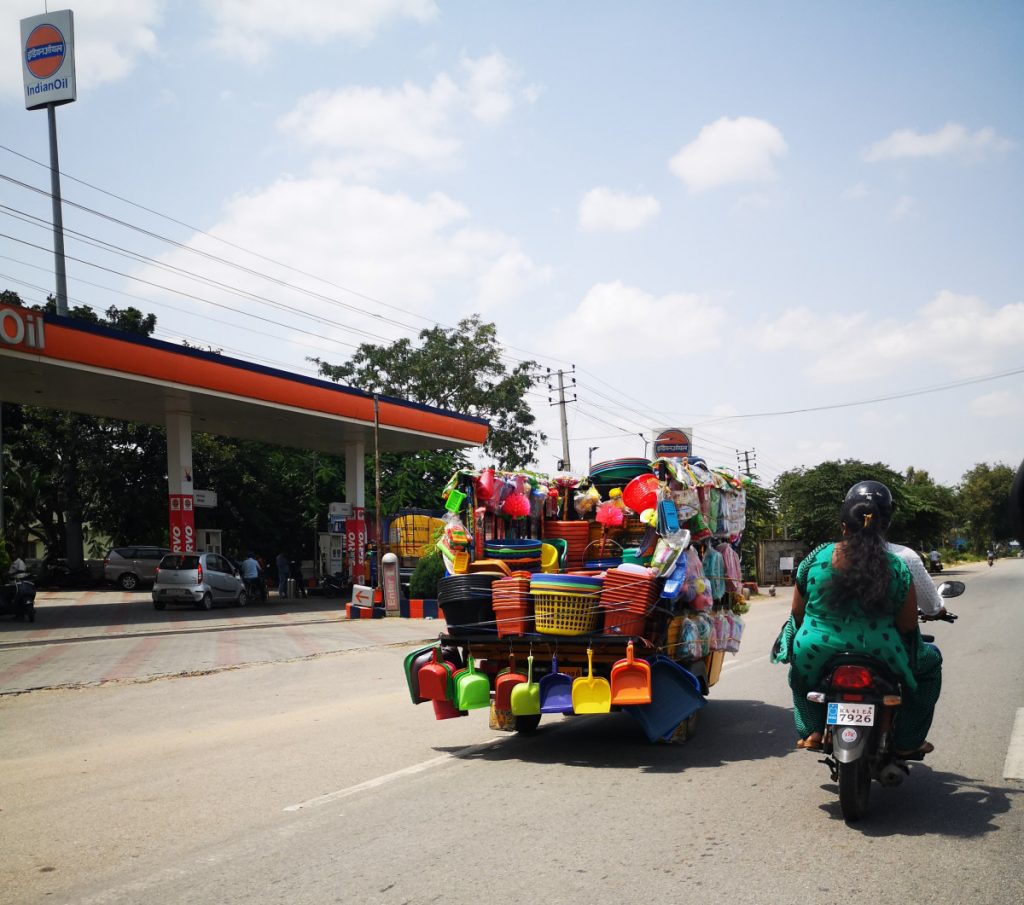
854,789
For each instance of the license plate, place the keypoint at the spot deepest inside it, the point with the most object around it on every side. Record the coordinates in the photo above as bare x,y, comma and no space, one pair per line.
841,714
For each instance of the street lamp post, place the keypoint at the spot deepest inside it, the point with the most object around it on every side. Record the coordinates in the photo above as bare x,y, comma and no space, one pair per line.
644,438
590,457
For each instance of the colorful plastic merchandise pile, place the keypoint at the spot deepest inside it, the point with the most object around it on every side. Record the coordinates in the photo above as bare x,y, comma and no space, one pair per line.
718,497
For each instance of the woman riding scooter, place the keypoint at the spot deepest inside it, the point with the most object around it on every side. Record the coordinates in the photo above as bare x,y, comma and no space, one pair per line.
857,596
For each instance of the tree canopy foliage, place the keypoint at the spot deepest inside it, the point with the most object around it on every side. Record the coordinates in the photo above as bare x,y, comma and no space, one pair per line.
927,514
458,369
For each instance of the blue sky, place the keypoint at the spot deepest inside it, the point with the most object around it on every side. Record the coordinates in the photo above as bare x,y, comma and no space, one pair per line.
712,210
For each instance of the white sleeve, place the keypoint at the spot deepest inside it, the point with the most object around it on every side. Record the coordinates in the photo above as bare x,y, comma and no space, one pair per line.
928,600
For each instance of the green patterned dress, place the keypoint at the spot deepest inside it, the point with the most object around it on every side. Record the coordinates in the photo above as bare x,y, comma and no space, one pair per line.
825,632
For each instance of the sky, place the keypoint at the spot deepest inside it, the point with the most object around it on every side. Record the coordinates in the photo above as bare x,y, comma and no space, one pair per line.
774,223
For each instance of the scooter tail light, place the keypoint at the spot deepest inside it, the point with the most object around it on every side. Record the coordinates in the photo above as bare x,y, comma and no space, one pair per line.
816,697
853,677
892,700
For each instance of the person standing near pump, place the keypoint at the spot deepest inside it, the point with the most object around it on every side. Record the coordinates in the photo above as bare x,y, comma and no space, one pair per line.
251,576
282,573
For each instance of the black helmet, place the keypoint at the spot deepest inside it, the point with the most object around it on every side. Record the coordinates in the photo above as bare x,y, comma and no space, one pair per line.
867,498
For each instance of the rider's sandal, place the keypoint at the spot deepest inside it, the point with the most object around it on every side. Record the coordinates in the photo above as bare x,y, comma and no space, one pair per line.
916,755
813,742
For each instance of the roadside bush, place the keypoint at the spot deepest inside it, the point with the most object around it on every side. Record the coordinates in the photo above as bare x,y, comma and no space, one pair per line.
428,572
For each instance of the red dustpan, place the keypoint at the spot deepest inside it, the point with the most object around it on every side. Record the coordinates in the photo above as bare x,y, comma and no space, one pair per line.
435,679
504,684
631,680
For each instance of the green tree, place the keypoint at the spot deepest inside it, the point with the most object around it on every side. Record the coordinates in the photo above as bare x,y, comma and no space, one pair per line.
927,512
984,499
761,519
458,369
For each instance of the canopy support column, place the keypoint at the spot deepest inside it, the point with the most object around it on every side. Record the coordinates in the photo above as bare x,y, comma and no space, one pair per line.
180,498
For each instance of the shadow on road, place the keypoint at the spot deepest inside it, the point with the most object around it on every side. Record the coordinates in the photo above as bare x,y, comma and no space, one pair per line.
728,731
931,803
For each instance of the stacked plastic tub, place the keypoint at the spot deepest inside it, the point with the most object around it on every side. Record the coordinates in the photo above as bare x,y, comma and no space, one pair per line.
467,602
627,599
565,604
516,554
513,608
576,536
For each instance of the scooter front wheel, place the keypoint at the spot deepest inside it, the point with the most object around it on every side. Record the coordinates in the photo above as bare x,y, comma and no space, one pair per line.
854,789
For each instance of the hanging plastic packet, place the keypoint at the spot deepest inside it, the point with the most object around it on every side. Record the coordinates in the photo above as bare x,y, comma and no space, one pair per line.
722,629
736,635
706,631
689,640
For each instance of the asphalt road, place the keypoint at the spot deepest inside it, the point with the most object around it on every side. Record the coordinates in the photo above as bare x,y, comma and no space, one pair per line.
315,780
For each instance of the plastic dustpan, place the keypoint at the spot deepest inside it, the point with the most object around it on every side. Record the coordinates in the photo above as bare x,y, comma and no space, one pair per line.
631,680
505,683
590,693
435,678
525,697
413,663
555,691
472,690
675,696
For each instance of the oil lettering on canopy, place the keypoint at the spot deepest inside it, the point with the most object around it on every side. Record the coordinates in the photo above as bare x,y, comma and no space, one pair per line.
22,327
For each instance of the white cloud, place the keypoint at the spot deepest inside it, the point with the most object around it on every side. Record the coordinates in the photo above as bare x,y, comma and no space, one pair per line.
729,151
615,325
952,140
247,28
111,38
1000,404
401,123
960,333
385,128
415,254
605,209
855,192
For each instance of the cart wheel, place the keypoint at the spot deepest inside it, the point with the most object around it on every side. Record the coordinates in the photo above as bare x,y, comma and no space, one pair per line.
527,724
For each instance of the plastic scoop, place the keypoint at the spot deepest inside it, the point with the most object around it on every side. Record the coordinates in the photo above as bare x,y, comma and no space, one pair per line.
555,691
472,690
525,697
631,680
590,693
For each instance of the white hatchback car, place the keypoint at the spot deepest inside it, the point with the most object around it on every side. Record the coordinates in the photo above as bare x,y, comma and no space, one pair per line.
201,579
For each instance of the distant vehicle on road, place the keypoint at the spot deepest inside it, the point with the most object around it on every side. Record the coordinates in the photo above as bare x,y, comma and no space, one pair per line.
129,567
199,579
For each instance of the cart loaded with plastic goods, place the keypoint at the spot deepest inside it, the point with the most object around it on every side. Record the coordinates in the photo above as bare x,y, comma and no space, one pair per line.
618,591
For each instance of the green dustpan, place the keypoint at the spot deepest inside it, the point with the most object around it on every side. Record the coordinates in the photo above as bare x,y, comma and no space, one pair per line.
525,697
472,689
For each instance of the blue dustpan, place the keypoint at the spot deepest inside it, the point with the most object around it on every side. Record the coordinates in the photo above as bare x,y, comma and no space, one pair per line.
555,691
675,696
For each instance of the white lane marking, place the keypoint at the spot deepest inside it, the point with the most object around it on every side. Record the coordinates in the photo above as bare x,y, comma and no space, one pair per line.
733,665
391,777
1013,768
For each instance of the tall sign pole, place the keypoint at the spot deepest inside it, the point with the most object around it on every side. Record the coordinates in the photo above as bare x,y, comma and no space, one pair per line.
48,72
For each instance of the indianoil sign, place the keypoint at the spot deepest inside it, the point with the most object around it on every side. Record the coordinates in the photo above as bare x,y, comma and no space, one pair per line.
48,59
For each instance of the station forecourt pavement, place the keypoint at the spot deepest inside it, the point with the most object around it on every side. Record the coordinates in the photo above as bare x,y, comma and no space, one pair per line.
82,638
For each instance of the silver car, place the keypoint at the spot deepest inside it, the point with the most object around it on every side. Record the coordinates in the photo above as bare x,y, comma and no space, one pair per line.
201,579
130,566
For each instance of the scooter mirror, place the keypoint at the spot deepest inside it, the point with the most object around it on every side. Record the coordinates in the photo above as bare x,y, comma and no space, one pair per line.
951,588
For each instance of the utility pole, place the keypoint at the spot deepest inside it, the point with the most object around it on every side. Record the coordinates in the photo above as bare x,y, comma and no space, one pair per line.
743,459
566,465
590,457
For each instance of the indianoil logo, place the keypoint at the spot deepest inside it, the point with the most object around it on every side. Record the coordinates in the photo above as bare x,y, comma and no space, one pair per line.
20,327
44,51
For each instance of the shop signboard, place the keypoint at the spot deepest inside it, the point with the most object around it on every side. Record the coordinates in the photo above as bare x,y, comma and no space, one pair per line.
673,443
355,543
48,59
182,522
205,499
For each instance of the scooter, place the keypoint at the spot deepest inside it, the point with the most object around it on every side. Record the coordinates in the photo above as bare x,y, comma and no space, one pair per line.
18,598
863,701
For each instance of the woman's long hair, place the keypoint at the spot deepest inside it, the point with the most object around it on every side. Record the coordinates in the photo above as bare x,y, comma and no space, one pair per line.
865,575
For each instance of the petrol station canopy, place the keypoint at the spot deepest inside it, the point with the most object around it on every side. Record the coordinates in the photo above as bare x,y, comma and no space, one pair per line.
61,363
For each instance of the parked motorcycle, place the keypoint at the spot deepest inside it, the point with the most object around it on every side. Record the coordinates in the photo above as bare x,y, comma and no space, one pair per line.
18,598
863,703
335,585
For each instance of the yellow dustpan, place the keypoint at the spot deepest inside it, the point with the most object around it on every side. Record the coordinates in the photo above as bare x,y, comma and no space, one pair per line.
590,693
548,558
